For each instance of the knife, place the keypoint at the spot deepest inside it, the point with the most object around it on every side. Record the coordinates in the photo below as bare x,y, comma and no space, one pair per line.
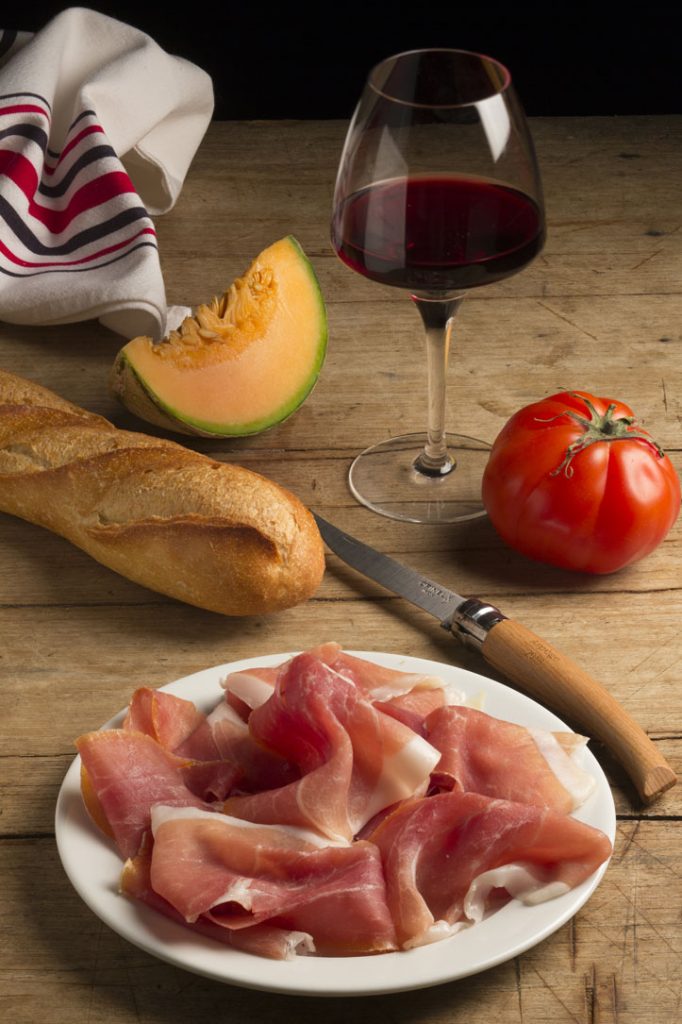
530,662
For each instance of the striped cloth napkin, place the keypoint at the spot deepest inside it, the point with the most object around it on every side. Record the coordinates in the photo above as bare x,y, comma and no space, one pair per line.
98,127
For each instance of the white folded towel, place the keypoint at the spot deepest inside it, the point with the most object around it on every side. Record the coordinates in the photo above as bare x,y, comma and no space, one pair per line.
98,127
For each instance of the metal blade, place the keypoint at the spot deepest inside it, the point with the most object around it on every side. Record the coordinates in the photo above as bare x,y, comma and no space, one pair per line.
434,599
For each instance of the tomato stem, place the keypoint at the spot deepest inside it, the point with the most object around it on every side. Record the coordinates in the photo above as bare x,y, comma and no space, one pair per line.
599,427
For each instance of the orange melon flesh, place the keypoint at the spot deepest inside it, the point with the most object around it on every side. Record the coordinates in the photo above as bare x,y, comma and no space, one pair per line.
242,363
92,804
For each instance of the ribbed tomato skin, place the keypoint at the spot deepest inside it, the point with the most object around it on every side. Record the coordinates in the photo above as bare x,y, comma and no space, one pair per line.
612,505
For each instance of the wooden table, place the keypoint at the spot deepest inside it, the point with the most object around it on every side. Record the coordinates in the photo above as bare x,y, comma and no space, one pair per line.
600,309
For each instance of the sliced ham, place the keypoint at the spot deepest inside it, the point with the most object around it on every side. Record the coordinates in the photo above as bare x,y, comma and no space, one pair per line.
224,757
238,874
260,939
376,681
354,759
168,719
407,696
412,709
434,849
129,773
212,780
482,754
259,768
295,818
180,728
248,688
380,683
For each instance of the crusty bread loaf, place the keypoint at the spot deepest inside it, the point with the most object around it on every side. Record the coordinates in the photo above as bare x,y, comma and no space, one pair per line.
206,532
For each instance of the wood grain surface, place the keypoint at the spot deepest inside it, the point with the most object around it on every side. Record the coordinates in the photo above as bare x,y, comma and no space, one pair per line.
600,310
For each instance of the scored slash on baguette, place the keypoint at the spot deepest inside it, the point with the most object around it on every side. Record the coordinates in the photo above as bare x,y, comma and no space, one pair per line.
212,534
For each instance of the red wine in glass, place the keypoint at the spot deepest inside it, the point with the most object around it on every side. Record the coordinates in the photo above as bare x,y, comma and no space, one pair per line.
438,193
437,232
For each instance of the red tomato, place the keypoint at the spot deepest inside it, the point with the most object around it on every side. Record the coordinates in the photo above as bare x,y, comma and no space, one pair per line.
573,481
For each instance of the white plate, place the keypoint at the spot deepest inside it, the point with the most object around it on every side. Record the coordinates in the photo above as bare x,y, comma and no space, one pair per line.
93,866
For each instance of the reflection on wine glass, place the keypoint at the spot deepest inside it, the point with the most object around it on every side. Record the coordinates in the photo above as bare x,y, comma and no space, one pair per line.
438,191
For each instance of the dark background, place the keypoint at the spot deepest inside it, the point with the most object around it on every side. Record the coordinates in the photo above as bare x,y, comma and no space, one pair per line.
289,60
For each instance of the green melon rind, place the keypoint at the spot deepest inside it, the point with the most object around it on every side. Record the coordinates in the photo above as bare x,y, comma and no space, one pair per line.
141,400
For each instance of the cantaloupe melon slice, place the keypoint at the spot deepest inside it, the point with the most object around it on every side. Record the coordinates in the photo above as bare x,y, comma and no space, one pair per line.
242,363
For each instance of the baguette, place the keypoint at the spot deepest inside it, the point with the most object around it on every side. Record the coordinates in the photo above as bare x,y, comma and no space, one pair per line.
209,533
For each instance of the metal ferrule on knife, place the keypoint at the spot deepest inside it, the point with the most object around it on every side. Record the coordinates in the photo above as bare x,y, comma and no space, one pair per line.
472,621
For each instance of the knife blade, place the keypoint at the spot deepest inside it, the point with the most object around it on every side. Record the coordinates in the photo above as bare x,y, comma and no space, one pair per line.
392,575
529,661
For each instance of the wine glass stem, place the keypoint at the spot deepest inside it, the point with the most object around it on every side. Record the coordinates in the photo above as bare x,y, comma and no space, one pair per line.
438,316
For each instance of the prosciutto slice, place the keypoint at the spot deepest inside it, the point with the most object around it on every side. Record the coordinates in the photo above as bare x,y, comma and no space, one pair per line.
481,754
168,719
330,805
259,768
412,709
434,849
260,939
377,682
129,772
248,689
237,874
354,760
223,756
407,696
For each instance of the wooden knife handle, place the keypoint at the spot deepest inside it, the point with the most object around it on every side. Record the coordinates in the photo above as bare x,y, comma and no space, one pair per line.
558,682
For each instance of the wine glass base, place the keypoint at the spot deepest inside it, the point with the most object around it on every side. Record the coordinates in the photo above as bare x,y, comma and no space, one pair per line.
384,479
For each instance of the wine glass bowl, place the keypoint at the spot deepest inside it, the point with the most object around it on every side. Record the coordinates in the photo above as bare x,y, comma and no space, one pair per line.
438,192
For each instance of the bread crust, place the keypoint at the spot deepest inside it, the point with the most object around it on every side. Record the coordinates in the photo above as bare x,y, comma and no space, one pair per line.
212,534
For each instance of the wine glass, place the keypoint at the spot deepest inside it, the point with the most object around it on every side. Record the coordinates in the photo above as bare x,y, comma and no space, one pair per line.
438,192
